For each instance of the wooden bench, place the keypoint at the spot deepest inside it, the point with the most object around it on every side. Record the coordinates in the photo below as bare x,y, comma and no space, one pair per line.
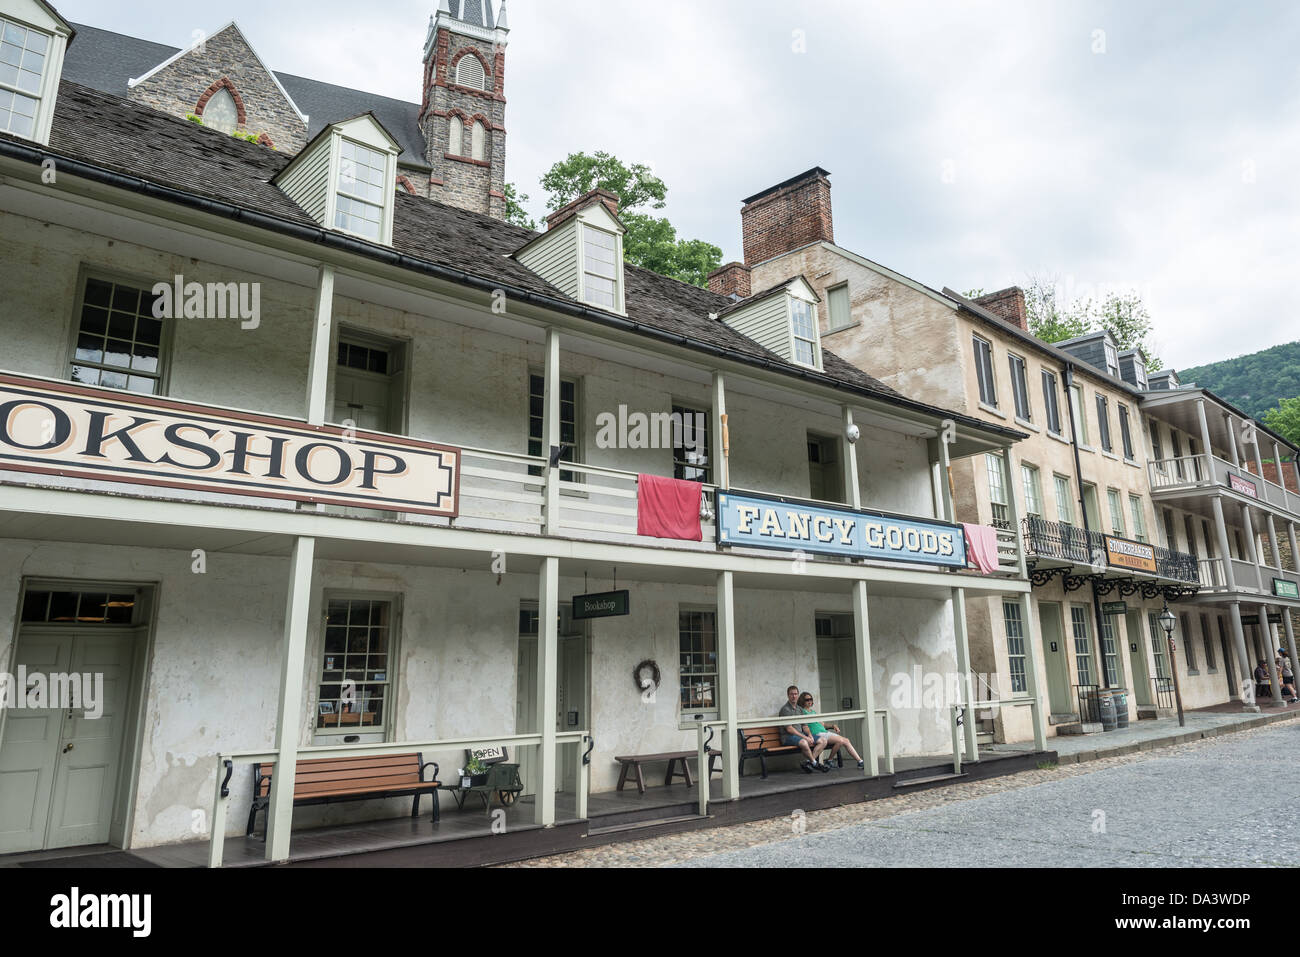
763,743
633,762
329,780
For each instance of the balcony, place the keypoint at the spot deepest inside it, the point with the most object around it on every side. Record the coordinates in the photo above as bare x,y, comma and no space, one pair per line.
1246,576
1051,544
1172,477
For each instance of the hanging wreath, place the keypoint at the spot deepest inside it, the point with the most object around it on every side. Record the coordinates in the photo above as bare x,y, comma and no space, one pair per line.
654,674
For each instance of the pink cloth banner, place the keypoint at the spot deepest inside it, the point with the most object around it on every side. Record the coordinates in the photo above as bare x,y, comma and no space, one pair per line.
668,508
982,547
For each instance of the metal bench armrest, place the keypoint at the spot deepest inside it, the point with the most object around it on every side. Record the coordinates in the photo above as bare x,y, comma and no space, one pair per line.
430,764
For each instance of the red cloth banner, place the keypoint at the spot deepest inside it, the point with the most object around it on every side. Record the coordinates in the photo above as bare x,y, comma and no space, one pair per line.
668,508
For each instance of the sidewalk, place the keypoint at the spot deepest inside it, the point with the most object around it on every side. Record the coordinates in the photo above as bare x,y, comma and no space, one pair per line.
1147,735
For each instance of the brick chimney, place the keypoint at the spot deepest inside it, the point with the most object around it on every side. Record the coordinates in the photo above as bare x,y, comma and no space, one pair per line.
604,196
731,280
1007,303
788,216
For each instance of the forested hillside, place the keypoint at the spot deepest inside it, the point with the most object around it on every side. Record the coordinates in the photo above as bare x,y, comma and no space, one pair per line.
1253,383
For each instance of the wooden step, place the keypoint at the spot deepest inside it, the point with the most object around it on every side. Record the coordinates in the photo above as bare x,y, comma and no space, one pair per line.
642,825
913,782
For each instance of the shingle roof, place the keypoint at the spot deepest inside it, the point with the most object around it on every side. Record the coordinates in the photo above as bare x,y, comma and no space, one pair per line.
477,12
115,134
103,60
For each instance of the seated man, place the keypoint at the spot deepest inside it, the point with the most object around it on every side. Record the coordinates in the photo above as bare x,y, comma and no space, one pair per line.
1263,687
794,735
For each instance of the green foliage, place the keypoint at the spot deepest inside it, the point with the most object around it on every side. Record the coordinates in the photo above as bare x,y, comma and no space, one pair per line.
515,212
237,134
1254,383
1122,313
194,118
1285,419
650,242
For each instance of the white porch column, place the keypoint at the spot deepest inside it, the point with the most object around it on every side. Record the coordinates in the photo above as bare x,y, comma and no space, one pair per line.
1272,541
849,458
322,334
1205,438
548,641
1259,468
551,435
963,669
1232,440
1290,642
1295,554
1253,546
718,429
1031,674
866,678
1239,639
289,716
1270,653
726,598
1221,533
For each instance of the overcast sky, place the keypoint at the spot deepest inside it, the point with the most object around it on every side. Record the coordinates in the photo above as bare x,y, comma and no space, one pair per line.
1143,145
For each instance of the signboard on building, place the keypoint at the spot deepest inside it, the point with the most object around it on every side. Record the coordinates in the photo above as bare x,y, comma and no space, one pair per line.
608,604
64,429
1244,486
1274,618
1285,589
1137,556
1114,608
793,525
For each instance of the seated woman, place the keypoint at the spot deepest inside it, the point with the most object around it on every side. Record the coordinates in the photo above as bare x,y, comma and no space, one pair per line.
825,738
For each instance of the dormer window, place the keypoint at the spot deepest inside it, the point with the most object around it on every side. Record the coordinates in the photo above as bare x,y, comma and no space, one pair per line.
804,328
31,59
600,270
782,319
346,178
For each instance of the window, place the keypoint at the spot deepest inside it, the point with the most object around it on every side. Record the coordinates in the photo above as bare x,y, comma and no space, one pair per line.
984,371
824,476
1126,432
22,67
997,489
1019,389
1015,645
805,331
1064,501
1171,538
361,190
82,607
1157,452
1076,410
1112,359
1190,529
691,459
1033,491
1189,649
356,674
1108,648
1206,643
1176,449
456,136
600,267
477,140
1158,646
470,72
1103,422
1139,518
838,302
221,113
568,422
697,637
1051,405
1116,511
119,343
1209,539
1082,643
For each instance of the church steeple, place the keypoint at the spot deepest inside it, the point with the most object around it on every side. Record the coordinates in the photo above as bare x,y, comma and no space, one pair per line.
463,111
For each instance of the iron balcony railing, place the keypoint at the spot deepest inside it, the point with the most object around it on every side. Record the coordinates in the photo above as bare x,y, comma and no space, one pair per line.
1079,546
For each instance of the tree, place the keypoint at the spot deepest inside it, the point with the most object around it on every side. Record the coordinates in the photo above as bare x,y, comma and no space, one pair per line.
515,212
650,242
1048,320
1129,324
1285,419
1121,313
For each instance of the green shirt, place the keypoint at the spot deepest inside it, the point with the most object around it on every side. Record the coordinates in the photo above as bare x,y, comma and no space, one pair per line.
814,727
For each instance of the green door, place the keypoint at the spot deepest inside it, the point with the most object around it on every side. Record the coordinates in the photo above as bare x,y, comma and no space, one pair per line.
1054,660
1137,657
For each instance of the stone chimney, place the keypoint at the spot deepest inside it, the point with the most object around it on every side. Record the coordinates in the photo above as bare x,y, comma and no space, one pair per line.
1008,304
731,280
582,202
788,216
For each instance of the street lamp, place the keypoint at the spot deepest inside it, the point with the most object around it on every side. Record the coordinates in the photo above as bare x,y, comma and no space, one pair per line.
1167,622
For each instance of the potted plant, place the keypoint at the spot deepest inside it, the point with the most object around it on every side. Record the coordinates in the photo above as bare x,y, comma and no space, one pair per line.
475,774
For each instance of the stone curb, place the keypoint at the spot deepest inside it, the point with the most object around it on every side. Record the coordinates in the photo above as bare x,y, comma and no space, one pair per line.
1169,740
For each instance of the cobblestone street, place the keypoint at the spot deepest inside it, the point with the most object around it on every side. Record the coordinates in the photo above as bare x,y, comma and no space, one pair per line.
1183,805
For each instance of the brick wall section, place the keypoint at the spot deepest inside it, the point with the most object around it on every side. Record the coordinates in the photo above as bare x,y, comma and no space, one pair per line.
733,279
787,217
178,88
1007,303
458,180
1288,474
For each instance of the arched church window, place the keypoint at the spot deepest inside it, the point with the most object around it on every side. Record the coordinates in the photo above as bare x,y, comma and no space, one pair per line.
456,137
477,146
220,113
469,72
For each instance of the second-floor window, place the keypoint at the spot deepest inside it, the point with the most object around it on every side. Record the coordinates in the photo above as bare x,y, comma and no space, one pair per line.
22,65
1103,422
361,190
1126,432
1019,387
600,267
805,332
1051,405
119,343
1033,492
1139,520
997,489
568,422
1064,501
1157,452
1115,503
1076,410
691,458
984,371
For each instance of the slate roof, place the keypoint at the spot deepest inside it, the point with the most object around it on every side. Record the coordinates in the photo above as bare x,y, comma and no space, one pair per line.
470,11
117,135
104,60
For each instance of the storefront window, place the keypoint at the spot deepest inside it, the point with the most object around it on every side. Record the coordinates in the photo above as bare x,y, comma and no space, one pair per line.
356,670
698,643
1082,643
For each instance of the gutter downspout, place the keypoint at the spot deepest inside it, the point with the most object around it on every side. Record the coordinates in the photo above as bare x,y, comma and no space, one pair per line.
1067,376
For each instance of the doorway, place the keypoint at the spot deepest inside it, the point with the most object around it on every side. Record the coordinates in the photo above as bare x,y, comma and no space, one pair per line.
837,668
1054,660
1138,659
65,749
572,696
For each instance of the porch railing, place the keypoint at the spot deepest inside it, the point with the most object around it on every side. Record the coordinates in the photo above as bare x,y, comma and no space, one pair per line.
955,711
227,762
1180,470
1085,699
1180,566
1164,692
1194,471
1080,546
1210,571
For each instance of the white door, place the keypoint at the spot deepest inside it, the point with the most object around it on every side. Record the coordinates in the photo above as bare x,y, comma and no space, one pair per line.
571,704
526,710
362,397
59,769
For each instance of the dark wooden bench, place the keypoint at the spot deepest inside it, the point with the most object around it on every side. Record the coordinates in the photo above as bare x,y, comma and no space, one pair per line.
633,762
329,780
763,743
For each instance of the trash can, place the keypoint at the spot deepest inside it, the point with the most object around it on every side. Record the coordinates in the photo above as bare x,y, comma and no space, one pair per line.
1106,709
1120,697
